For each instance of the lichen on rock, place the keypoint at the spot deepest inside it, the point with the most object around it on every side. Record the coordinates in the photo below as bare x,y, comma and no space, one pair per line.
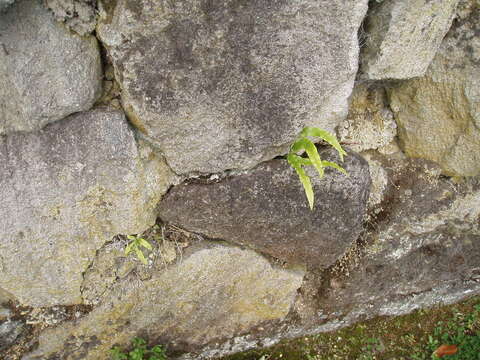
69,189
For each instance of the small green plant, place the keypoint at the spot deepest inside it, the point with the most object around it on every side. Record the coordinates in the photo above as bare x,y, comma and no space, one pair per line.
135,244
303,143
463,331
139,352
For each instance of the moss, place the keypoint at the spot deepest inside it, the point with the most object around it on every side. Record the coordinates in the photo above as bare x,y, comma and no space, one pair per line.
382,338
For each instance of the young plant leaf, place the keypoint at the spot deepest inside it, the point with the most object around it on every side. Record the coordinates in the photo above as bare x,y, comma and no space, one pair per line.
140,255
312,152
294,161
130,247
324,135
144,243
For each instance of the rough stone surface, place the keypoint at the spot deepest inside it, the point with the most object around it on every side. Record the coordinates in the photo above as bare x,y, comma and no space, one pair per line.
78,15
225,85
403,36
66,190
425,249
422,250
4,4
216,292
9,332
369,124
439,114
266,209
46,72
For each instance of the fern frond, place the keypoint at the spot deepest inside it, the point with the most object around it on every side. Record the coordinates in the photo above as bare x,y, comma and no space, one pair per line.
324,135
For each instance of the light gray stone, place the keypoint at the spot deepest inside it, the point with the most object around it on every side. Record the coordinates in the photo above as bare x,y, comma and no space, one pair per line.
226,84
78,15
215,292
266,209
65,191
46,72
438,115
402,37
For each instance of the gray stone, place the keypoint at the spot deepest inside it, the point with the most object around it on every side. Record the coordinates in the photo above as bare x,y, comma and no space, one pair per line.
425,248
78,15
4,4
402,37
66,190
46,72
422,250
266,209
438,115
227,84
9,332
215,292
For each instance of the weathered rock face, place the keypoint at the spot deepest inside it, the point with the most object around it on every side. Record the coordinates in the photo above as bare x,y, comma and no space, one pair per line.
402,37
439,114
214,293
266,209
423,249
225,85
78,15
9,332
4,4
66,190
426,249
46,72
369,124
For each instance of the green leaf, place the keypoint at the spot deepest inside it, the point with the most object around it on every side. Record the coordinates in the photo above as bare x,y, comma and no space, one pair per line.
324,135
312,152
131,237
299,160
335,166
140,256
144,243
304,179
130,247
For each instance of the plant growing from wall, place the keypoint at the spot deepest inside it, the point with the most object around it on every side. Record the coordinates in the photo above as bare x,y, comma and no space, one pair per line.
303,143
139,352
135,244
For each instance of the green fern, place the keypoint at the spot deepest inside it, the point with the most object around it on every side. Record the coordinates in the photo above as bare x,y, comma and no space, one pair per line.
303,143
135,245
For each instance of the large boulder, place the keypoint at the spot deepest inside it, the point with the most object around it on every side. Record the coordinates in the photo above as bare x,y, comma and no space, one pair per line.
46,72
266,209
402,37
222,85
65,191
214,293
438,115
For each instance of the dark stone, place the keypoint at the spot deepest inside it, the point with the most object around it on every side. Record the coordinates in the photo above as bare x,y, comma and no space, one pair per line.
266,209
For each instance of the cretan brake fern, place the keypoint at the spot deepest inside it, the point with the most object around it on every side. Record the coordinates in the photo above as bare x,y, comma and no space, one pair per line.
303,143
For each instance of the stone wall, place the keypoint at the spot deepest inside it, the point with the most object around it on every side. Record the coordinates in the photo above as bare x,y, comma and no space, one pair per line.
170,121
